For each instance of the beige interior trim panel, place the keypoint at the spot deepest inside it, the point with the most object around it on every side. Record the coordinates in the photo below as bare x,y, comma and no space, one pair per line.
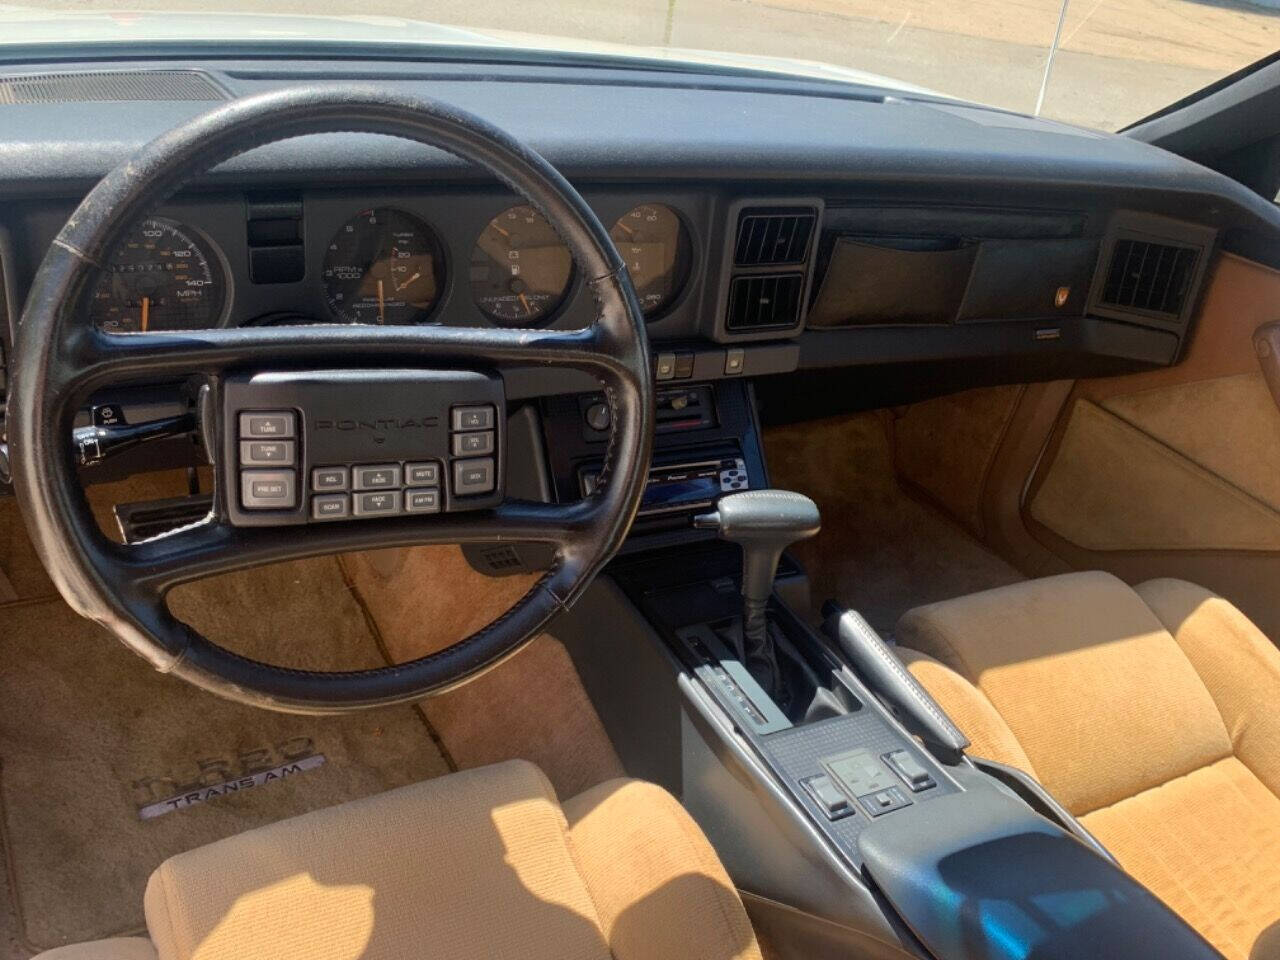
1115,487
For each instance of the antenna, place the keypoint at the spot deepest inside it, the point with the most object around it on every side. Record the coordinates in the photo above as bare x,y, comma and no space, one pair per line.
1048,64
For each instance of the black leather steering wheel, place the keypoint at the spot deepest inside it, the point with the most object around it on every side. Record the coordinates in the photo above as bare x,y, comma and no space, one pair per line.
60,358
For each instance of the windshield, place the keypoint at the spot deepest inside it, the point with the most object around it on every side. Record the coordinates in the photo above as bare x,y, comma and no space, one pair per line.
1097,63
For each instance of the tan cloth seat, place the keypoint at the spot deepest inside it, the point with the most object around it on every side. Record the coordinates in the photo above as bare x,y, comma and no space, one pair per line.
1152,714
481,864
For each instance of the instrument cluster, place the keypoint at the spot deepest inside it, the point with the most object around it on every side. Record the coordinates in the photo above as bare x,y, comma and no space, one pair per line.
386,265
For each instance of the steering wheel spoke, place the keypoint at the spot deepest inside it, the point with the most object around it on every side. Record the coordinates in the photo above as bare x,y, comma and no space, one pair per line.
103,358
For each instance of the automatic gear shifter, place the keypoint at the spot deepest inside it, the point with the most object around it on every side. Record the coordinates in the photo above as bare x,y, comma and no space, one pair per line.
763,523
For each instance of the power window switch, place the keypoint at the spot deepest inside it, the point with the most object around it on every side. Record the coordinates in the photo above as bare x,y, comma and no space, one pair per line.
268,489
829,798
911,770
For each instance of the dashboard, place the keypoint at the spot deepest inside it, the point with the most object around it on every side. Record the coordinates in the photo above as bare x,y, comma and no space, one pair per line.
786,237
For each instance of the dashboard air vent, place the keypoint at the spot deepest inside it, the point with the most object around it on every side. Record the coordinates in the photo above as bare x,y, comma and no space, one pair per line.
765,300
107,86
774,236
1149,276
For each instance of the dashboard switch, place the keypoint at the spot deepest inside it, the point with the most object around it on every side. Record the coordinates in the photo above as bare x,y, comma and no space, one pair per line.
330,506
268,489
422,501
910,770
472,444
328,478
828,796
278,426
472,476
266,453
381,476
665,368
472,418
377,503
422,474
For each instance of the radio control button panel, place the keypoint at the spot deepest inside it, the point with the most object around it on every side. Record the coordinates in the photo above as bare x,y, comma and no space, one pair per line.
351,445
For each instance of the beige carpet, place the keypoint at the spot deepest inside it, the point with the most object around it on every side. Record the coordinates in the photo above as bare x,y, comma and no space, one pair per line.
89,733
879,551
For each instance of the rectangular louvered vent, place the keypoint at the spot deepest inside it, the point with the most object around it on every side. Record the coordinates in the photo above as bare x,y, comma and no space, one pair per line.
108,86
1149,276
768,238
765,300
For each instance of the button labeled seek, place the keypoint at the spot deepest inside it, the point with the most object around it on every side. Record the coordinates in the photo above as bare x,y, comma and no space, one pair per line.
473,477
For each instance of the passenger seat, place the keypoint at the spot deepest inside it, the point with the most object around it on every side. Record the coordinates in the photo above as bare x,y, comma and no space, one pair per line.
1151,713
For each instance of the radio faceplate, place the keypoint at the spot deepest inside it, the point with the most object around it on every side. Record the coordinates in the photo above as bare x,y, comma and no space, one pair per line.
683,486
328,445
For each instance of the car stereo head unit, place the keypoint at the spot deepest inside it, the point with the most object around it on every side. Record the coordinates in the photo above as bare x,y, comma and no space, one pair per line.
677,487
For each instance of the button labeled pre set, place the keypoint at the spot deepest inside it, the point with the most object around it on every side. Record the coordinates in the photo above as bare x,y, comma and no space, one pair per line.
268,489
472,477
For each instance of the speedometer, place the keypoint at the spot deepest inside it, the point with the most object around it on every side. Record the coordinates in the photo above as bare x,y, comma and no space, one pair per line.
162,276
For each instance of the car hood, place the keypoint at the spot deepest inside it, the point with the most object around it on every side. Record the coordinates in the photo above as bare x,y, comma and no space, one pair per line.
27,26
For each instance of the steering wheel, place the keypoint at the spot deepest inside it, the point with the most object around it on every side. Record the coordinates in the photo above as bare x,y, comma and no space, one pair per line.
60,358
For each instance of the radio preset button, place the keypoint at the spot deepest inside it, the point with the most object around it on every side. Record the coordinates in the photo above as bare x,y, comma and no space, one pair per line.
472,418
378,503
473,477
380,476
276,425
422,474
267,453
472,444
268,489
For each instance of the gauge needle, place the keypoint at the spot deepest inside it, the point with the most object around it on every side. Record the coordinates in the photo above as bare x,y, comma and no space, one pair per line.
401,286
524,301
382,307
623,226
146,313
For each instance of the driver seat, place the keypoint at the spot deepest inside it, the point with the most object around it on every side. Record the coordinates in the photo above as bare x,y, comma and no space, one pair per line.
484,863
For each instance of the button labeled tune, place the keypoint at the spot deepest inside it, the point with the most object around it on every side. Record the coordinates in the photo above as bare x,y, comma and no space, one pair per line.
473,476
277,425
267,453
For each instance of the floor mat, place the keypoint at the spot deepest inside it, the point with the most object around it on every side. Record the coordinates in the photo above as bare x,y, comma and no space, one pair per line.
89,734
879,550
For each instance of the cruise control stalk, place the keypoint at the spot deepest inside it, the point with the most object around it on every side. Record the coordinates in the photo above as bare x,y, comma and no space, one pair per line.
96,444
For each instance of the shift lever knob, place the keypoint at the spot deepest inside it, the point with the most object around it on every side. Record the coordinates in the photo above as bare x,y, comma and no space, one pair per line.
763,523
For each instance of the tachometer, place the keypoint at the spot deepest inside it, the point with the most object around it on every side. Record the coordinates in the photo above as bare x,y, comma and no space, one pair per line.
520,268
383,266
655,245
162,276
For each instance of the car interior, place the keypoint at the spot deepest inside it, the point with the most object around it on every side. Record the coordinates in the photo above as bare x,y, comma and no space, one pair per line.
583,508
